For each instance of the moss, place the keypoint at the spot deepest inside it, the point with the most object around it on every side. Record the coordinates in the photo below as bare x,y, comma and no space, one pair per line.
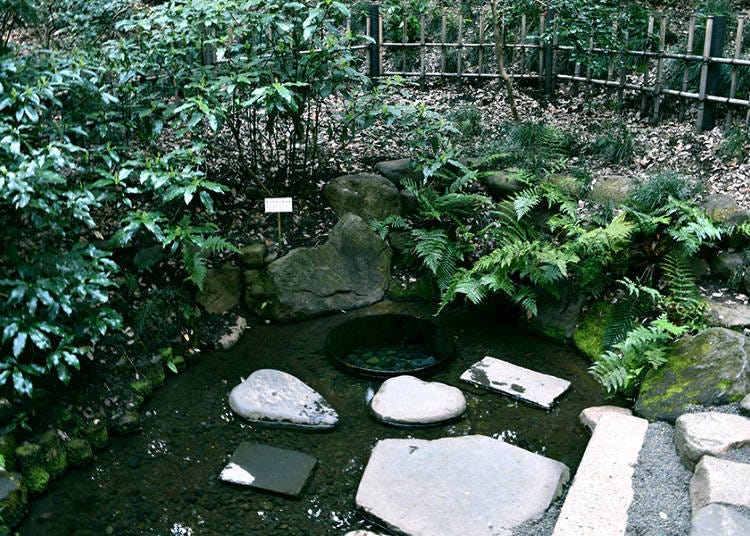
79,452
29,455
55,456
142,388
97,435
36,481
13,500
7,451
589,334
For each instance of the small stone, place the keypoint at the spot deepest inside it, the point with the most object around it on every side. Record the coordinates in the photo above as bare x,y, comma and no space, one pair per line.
745,405
275,397
406,400
719,520
254,255
233,333
589,417
698,434
126,423
269,469
720,481
79,452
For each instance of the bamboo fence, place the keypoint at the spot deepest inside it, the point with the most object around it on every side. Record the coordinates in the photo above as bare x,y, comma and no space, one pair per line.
663,70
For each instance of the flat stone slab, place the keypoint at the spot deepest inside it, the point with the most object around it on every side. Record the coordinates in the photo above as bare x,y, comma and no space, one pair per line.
720,481
598,500
518,382
463,486
269,469
271,396
731,315
712,433
590,417
719,520
406,400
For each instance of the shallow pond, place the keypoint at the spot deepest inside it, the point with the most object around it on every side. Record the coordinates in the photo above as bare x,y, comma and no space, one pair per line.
164,480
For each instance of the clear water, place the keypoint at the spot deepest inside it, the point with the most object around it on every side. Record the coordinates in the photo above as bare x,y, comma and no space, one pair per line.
164,480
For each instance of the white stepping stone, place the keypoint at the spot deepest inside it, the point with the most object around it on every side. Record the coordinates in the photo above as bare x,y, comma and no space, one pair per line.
406,400
720,481
598,500
274,397
457,486
517,382
709,432
589,417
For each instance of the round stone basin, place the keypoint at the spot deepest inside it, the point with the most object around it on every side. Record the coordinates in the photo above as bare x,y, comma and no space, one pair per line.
382,346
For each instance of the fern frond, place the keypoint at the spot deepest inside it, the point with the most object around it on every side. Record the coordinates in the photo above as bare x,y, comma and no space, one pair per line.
525,201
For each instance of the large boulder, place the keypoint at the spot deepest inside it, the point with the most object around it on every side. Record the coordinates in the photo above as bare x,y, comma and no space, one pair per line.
351,270
366,195
501,184
222,289
398,170
708,369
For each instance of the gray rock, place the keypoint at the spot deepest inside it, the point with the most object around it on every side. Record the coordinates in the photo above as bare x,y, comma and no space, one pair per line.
517,382
147,257
721,207
362,533
720,520
557,316
720,481
711,368
471,485
745,405
275,397
222,289
126,422
398,170
233,333
598,500
368,196
728,265
254,255
730,315
406,400
712,433
613,189
269,468
500,184
351,270
590,417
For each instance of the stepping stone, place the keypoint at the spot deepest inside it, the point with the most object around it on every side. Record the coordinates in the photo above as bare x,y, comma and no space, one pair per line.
598,500
719,520
518,382
269,469
720,481
589,417
274,397
406,400
471,485
698,434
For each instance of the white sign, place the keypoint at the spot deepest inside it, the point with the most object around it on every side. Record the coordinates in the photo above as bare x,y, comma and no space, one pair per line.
278,204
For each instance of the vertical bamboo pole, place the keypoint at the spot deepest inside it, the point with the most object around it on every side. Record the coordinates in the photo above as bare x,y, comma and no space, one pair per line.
381,49
421,48
540,67
523,44
704,73
611,66
443,33
644,84
737,54
460,49
686,72
660,68
403,41
623,70
480,59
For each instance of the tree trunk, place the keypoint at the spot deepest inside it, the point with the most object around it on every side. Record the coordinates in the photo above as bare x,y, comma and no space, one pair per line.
500,55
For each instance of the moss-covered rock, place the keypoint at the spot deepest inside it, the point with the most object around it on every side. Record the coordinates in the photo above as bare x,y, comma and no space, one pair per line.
55,456
36,481
589,334
423,289
13,499
79,452
97,435
28,456
708,369
557,316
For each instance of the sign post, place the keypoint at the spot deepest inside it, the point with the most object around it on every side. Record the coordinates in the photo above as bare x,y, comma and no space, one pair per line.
278,205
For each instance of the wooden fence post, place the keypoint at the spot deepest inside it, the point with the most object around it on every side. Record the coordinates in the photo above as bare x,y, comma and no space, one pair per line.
713,47
374,30
549,75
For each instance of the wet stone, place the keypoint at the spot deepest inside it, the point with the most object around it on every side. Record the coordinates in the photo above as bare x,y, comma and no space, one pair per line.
406,400
269,469
472,485
274,397
517,382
